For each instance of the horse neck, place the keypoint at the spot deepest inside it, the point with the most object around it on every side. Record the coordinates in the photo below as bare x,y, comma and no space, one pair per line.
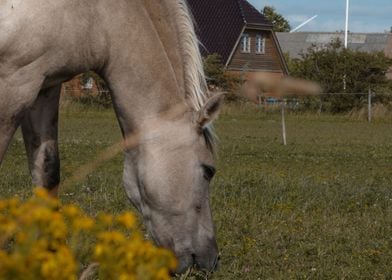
164,22
173,22
145,67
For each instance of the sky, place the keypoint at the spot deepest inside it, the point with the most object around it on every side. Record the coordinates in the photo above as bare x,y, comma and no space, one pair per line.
364,16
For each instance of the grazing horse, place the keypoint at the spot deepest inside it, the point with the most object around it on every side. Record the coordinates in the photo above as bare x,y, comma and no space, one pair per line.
147,52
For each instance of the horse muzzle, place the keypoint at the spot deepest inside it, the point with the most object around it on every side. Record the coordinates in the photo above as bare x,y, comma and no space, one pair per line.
204,259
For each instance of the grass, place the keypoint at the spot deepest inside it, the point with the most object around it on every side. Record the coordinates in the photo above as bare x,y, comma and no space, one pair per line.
319,208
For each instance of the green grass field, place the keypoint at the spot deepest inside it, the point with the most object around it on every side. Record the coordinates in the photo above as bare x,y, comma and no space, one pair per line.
318,208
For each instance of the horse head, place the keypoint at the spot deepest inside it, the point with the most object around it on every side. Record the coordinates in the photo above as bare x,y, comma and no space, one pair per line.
167,178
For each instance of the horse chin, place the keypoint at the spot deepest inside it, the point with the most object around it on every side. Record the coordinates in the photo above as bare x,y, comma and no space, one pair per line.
205,258
184,263
206,263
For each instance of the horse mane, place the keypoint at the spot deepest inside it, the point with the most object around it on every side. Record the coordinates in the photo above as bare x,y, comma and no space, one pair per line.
194,78
195,81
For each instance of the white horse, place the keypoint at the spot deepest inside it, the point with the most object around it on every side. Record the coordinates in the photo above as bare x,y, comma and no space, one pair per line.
147,52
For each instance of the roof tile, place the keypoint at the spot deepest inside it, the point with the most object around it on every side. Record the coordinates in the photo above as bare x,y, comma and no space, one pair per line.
219,23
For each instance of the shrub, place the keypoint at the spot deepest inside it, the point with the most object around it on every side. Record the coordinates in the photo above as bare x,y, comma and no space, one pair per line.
340,70
101,98
42,239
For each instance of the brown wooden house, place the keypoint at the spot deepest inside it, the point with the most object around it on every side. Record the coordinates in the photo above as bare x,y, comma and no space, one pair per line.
240,34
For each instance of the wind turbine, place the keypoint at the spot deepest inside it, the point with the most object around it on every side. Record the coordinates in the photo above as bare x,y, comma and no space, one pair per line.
346,41
346,27
304,23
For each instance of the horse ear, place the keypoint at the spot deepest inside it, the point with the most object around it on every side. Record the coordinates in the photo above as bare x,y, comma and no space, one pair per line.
210,110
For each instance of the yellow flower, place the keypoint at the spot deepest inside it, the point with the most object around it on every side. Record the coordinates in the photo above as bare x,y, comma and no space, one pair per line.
3,204
41,193
48,268
41,234
105,220
111,236
71,211
13,202
8,227
127,219
98,250
21,237
125,276
82,224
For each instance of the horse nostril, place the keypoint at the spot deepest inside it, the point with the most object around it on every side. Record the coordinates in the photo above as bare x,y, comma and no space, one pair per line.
193,258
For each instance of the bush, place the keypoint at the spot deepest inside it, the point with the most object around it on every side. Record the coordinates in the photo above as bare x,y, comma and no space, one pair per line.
340,70
42,239
101,98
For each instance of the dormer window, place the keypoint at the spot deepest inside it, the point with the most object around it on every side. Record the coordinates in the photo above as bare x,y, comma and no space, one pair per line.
245,43
260,44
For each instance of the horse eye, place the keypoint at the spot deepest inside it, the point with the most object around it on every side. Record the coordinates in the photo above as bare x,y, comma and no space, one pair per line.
208,172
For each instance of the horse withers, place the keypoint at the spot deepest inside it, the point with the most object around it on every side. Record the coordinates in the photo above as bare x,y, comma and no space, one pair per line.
147,52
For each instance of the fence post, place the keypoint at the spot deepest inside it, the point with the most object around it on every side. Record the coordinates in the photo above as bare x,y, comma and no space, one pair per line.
370,105
283,123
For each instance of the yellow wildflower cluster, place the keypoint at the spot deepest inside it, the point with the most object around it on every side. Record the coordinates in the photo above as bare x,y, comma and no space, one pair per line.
41,239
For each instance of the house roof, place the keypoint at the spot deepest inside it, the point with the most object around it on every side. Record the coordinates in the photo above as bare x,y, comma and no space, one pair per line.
251,15
219,23
296,43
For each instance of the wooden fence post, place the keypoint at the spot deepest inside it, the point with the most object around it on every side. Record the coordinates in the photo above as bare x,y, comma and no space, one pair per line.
283,123
370,105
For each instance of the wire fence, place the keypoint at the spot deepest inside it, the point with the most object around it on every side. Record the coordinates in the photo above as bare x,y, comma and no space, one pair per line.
93,97
325,101
363,100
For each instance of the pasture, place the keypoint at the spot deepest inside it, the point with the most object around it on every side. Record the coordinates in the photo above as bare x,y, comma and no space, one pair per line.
319,208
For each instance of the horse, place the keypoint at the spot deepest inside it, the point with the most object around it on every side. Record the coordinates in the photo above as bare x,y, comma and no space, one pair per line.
148,54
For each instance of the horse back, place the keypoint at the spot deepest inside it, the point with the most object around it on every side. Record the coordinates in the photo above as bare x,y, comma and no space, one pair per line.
53,35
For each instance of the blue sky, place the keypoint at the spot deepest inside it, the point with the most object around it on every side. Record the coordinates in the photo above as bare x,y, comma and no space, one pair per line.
365,15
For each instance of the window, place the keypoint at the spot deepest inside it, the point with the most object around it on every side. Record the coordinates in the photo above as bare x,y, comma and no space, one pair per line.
260,44
245,43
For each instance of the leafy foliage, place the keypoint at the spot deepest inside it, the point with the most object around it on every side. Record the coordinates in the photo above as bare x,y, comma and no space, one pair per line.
340,70
102,98
279,22
218,78
101,84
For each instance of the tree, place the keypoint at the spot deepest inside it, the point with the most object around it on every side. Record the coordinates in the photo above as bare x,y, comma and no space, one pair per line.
217,77
279,22
329,65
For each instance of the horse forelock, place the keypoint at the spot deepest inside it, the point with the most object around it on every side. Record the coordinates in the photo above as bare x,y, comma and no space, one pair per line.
210,138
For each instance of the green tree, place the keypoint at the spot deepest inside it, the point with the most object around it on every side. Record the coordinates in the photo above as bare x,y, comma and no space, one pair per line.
217,77
279,22
334,66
